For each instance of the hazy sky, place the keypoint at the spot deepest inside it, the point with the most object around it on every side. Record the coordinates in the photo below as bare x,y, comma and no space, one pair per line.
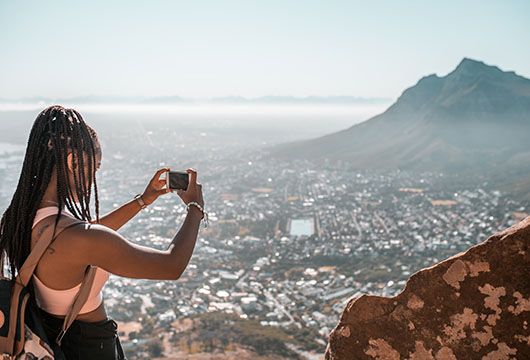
250,48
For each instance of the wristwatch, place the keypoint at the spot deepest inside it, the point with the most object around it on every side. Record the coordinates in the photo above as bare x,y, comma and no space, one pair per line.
138,197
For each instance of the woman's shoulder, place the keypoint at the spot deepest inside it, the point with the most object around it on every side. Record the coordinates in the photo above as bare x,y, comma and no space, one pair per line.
67,225
84,230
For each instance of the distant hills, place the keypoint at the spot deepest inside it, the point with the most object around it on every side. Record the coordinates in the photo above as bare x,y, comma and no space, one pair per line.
178,100
476,117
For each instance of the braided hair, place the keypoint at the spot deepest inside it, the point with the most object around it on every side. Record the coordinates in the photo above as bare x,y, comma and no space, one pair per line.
56,132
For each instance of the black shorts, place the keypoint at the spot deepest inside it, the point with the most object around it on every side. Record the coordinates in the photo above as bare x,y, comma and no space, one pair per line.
84,340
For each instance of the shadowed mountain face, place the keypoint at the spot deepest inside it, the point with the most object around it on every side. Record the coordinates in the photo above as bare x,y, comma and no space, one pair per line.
477,116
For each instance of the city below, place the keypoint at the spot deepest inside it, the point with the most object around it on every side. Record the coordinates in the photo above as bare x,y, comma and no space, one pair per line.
288,243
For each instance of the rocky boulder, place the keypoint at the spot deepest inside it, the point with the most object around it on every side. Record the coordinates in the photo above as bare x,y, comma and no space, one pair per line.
474,305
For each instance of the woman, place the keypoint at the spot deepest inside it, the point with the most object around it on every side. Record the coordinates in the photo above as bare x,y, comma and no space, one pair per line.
60,164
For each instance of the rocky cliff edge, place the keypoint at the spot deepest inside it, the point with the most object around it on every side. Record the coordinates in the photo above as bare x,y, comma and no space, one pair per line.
474,305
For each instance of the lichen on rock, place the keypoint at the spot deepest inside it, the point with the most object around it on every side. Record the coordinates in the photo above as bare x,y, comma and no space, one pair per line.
474,305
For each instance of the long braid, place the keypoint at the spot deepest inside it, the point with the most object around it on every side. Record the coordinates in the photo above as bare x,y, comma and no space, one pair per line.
92,165
55,132
96,196
22,198
63,186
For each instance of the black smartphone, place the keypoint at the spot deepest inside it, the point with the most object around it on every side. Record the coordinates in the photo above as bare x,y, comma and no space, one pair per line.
177,180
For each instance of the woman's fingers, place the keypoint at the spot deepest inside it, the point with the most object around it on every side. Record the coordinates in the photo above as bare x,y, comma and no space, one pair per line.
160,172
193,175
164,191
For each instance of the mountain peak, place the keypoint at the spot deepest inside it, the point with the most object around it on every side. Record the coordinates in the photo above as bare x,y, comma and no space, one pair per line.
471,67
471,62
448,122
464,77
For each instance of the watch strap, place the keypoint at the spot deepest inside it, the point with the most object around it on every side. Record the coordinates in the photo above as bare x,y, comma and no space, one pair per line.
138,198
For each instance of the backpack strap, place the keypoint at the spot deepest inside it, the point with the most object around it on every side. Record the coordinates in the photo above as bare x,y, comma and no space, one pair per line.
86,285
26,271
78,302
2,264
47,237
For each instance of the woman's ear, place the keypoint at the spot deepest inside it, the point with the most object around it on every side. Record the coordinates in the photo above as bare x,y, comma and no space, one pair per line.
69,161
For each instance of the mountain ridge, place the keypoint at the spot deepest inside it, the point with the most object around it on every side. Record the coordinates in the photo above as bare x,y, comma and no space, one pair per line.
475,115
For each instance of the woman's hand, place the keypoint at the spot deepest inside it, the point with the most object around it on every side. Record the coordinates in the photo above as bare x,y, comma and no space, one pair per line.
155,188
194,190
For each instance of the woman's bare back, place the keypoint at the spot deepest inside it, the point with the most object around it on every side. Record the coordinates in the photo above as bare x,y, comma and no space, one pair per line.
59,268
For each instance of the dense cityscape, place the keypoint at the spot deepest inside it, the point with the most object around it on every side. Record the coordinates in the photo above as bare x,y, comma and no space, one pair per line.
288,243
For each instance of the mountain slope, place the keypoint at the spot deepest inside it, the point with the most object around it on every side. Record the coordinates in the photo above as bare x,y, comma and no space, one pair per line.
477,115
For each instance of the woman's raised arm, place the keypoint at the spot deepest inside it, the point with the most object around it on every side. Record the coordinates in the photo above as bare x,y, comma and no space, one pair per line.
101,246
120,216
